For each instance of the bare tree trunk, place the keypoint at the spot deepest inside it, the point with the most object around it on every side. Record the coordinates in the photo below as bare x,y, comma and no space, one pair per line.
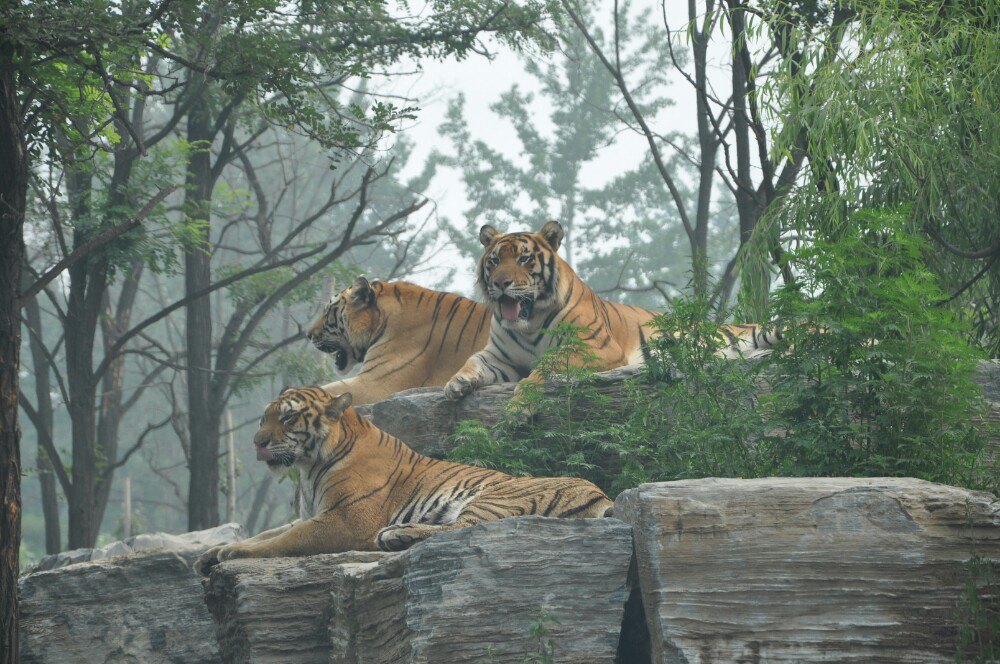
13,193
203,421
127,509
230,469
43,425
259,498
88,282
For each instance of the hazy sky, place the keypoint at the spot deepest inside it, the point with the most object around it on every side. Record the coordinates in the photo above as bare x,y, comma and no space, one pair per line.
483,81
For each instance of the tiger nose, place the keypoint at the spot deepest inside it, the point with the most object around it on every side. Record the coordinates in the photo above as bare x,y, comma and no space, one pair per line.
502,283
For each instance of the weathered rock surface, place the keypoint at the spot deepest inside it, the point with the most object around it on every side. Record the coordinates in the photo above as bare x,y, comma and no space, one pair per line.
138,608
204,539
425,419
277,609
468,595
806,569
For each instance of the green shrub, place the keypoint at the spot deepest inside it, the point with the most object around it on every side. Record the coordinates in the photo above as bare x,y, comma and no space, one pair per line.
887,387
872,379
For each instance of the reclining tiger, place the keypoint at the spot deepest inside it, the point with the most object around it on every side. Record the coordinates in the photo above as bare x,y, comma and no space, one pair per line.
403,335
364,490
530,289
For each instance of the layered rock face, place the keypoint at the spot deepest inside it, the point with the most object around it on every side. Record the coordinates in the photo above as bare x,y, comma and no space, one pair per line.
806,569
142,607
471,595
769,570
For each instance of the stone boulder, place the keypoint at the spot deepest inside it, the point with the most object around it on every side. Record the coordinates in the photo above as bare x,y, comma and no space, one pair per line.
426,419
806,569
137,600
468,595
203,539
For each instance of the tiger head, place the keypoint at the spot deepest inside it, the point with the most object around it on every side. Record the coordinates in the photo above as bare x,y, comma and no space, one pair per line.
347,325
517,273
296,426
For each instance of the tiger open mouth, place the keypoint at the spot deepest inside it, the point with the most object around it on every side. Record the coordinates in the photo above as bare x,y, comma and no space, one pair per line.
514,309
338,352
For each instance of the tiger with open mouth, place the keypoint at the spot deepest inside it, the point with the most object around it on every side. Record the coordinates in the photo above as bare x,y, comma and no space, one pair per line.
530,289
401,334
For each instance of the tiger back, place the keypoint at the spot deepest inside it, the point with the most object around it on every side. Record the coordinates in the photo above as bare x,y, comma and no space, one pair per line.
403,336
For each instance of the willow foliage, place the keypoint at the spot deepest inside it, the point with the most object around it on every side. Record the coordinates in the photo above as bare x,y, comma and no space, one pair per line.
906,114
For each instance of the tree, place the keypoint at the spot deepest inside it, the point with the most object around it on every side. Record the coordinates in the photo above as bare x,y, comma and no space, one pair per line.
732,142
603,222
905,116
66,72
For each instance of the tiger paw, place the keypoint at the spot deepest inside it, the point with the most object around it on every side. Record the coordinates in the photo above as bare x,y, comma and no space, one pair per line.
458,387
207,561
395,538
232,552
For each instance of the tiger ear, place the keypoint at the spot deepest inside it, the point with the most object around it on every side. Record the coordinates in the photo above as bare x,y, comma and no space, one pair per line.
362,293
553,233
337,407
487,233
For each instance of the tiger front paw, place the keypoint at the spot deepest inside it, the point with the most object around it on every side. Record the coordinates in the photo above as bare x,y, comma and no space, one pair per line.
232,552
458,387
395,538
207,561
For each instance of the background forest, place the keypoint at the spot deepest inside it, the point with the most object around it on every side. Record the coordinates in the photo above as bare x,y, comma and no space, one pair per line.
197,176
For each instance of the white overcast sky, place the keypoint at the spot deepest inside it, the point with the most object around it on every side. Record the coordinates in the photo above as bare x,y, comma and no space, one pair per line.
483,81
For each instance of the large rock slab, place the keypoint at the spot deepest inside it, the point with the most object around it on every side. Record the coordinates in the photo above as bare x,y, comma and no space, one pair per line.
138,608
425,419
277,609
468,595
204,539
806,569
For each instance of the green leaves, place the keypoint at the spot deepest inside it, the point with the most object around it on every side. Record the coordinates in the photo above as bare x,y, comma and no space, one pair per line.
874,377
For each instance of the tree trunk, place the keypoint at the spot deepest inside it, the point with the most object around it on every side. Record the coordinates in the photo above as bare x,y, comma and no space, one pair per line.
203,422
44,425
13,193
708,146
88,283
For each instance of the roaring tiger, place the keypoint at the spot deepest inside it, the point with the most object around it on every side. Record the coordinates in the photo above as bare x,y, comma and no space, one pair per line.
529,289
364,490
405,335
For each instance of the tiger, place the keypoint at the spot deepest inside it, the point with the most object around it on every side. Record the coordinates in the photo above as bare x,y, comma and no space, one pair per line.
530,289
362,489
403,335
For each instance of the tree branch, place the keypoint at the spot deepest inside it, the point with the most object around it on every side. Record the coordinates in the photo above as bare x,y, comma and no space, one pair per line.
95,244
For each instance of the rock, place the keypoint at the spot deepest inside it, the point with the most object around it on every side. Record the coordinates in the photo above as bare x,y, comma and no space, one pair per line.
468,595
204,539
425,419
277,609
140,608
806,569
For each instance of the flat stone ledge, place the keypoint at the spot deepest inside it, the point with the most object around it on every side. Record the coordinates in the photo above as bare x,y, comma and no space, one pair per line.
806,569
467,595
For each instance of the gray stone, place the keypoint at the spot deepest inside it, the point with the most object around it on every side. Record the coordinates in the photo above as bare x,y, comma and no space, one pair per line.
224,534
277,609
469,595
425,419
139,608
806,569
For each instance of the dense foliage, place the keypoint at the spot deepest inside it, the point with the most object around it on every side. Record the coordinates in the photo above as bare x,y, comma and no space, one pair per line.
905,115
872,379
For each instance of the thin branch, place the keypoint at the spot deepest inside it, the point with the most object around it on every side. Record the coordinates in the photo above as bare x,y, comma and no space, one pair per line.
95,244
44,436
